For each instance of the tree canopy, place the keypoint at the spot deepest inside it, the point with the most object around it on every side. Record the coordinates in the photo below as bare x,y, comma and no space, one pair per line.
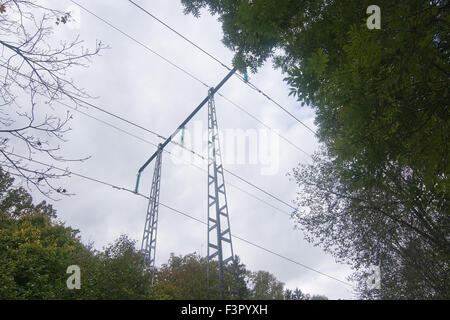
378,191
380,96
36,250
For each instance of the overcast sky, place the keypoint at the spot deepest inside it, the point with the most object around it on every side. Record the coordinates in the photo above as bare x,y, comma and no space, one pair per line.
138,85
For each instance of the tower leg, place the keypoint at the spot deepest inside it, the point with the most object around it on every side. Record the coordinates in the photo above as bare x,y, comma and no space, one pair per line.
148,246
219,233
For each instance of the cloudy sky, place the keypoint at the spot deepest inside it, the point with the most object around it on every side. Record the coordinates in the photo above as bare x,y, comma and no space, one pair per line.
132,82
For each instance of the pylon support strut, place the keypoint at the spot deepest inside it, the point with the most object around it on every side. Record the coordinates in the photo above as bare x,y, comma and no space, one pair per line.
182,125
148,246
219,233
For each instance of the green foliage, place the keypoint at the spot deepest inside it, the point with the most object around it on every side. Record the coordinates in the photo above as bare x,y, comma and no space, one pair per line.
116,273
381,189
17,202
35,251
240,284
297,294
184,277
34,255
264,286
380,95
373,221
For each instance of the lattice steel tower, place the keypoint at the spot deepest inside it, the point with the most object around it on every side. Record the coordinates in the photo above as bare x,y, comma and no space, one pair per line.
218,222
219,234
148,246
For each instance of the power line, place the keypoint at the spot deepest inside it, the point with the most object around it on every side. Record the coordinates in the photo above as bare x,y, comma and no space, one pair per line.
117,117
200,156
173,64
164,138
76,99
182,36
170,153
251,85
263,124
181,213
188,73
141,44
108,124
262,190
280,106
261,247
211,91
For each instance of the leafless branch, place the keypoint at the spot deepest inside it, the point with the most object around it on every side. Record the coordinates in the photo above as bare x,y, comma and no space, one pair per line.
33,74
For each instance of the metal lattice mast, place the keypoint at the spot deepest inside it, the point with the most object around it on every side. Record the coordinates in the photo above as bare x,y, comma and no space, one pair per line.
219,233
148,246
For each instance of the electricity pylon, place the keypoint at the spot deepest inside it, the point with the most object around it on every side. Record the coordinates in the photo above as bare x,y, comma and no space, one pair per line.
148,246
219,234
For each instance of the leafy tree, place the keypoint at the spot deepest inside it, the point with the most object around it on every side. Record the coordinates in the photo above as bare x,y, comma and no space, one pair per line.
378,193
241,280
380,95
35,251
34,64
378,225
184,277
295,294
17,201
264,286
120,272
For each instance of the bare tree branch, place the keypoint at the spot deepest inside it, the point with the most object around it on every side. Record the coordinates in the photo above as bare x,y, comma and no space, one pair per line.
33,73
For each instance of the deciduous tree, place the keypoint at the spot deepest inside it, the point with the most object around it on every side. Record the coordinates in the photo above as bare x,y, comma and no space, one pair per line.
34,66
380,191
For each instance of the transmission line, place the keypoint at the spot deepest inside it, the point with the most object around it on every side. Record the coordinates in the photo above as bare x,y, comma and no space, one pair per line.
141,44
182,36
128,190
189,73
181,213
263,124
198,155
171,154
251,85
163,138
